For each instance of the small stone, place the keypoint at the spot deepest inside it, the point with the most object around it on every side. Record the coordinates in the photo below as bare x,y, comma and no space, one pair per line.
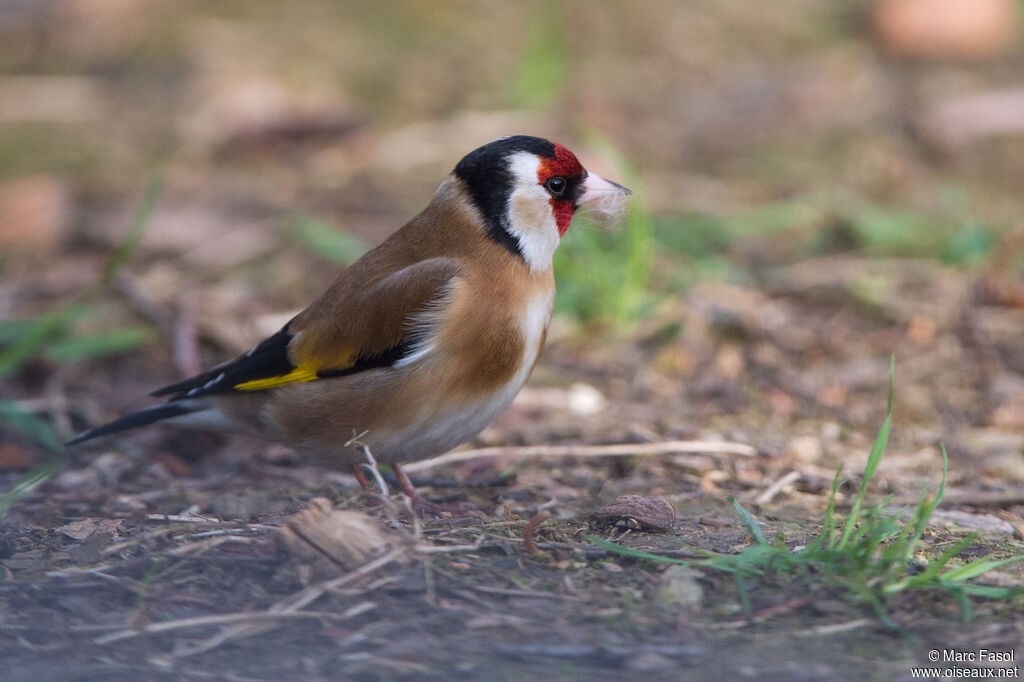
78,530
34,214
85,528
806,449
947,28
680,587
649,662
585,400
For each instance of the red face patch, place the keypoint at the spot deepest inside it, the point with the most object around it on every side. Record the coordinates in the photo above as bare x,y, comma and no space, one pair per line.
565,165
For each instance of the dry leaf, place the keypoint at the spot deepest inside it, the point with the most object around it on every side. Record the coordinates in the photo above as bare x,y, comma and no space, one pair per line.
346,538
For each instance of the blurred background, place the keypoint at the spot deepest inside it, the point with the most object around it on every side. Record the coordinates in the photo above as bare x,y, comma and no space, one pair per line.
819,185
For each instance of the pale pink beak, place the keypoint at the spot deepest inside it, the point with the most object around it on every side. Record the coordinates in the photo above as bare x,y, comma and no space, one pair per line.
596,188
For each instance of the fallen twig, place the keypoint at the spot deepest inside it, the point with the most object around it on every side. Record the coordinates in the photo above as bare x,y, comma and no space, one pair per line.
775,488
617,450
252,629
215,619
314,592
186,337
371,461
207,520
820,630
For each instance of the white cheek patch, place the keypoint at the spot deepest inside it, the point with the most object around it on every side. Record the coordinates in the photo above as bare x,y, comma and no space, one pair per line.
531,219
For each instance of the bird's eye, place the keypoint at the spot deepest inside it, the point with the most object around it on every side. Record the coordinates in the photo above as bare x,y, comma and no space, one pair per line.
556,185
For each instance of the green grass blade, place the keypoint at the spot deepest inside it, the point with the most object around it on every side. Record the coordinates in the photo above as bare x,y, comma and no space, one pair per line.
99,344
130,242
30,425
748,521
634,553
963,600
34,335
945,470
826,538
926,509
741,589
936,565
976,568
324,240
991,591
874,457
25,485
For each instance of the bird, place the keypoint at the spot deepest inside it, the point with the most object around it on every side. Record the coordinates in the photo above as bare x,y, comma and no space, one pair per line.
422,342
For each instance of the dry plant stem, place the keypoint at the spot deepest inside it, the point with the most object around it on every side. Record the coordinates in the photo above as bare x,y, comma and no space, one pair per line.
531,545
314,592
255,629
823,630
775,488
186,337
56,397
529,594
207,520
623,450
216,619
371,460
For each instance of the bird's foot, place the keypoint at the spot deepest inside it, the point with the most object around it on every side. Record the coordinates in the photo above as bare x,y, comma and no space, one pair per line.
423,507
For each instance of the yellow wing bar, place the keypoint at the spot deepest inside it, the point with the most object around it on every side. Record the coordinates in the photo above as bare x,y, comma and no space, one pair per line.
297,375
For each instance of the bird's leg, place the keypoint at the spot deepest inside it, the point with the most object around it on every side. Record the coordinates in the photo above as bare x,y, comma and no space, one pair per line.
361,478
422,506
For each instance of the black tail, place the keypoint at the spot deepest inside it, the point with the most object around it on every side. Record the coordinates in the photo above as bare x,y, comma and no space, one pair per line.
137,419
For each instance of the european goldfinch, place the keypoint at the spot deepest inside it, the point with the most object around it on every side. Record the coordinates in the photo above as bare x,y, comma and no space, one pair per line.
422,342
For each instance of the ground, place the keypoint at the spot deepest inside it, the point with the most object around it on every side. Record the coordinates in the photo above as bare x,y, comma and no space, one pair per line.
92,558
802,217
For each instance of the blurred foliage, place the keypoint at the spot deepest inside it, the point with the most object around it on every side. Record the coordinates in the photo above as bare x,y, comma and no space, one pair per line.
603,273
27,484
615,275
542,67
30,425
54,336
130,242
324,239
